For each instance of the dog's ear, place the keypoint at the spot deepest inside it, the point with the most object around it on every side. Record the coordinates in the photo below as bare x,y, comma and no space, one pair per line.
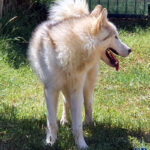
100,21
97,10
104,16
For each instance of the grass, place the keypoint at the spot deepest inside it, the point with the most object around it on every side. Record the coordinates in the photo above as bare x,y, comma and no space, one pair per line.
122,99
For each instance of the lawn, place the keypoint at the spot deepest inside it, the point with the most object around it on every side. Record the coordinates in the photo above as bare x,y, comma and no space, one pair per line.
122,99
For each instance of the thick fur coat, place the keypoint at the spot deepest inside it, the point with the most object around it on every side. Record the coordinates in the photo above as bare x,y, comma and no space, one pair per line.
64,51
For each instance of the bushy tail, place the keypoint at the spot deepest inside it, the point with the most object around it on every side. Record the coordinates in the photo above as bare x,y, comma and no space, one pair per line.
64,9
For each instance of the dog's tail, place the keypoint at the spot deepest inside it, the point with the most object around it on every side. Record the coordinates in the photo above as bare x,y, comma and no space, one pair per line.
64,9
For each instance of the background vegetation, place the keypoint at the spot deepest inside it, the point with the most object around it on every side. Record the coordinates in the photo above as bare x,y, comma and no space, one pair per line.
122,99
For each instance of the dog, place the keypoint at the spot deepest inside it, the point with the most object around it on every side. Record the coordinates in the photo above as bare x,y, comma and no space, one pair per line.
65,51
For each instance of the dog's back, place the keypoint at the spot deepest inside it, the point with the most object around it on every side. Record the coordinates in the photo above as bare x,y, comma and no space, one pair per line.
57,28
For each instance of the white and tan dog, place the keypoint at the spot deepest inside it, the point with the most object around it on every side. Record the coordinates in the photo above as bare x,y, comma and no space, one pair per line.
64,52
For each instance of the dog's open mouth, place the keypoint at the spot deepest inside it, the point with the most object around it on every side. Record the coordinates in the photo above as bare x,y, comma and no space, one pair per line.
113,60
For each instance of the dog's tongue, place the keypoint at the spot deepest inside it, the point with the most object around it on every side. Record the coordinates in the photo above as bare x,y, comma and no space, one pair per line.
117,65
114,60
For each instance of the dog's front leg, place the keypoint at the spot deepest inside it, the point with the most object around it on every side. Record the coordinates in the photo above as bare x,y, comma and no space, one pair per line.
51,97
76,103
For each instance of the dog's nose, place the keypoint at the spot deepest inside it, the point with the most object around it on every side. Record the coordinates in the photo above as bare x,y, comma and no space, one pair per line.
129,51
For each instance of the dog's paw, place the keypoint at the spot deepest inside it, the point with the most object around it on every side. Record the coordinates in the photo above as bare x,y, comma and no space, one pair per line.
50,140
79,140
82,145
88,122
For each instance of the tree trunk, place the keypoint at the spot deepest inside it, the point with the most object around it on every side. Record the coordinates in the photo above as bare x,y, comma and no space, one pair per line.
1,8
12,5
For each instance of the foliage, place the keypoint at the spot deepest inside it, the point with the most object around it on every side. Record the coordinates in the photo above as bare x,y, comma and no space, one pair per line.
15,32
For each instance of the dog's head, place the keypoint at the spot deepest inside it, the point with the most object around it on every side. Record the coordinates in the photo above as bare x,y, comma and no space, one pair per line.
108,41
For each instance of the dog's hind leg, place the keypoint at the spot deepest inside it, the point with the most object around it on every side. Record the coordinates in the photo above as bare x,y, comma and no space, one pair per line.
65,114
51,97
88,94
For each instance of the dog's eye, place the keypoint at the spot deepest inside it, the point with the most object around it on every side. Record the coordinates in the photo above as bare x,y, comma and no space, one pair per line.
116,37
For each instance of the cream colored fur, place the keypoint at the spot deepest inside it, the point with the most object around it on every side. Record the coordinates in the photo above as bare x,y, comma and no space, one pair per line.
64,52
64,9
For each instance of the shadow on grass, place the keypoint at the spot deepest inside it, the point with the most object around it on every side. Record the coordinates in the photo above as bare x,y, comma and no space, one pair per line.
104,137
29,134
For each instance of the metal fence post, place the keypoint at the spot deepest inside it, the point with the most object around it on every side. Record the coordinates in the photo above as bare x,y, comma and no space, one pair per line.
135,7
90,4
99,1
144,7
117,9
108,5
126,8
149,10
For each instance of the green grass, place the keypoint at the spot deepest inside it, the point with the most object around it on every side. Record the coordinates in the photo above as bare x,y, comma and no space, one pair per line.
122,99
